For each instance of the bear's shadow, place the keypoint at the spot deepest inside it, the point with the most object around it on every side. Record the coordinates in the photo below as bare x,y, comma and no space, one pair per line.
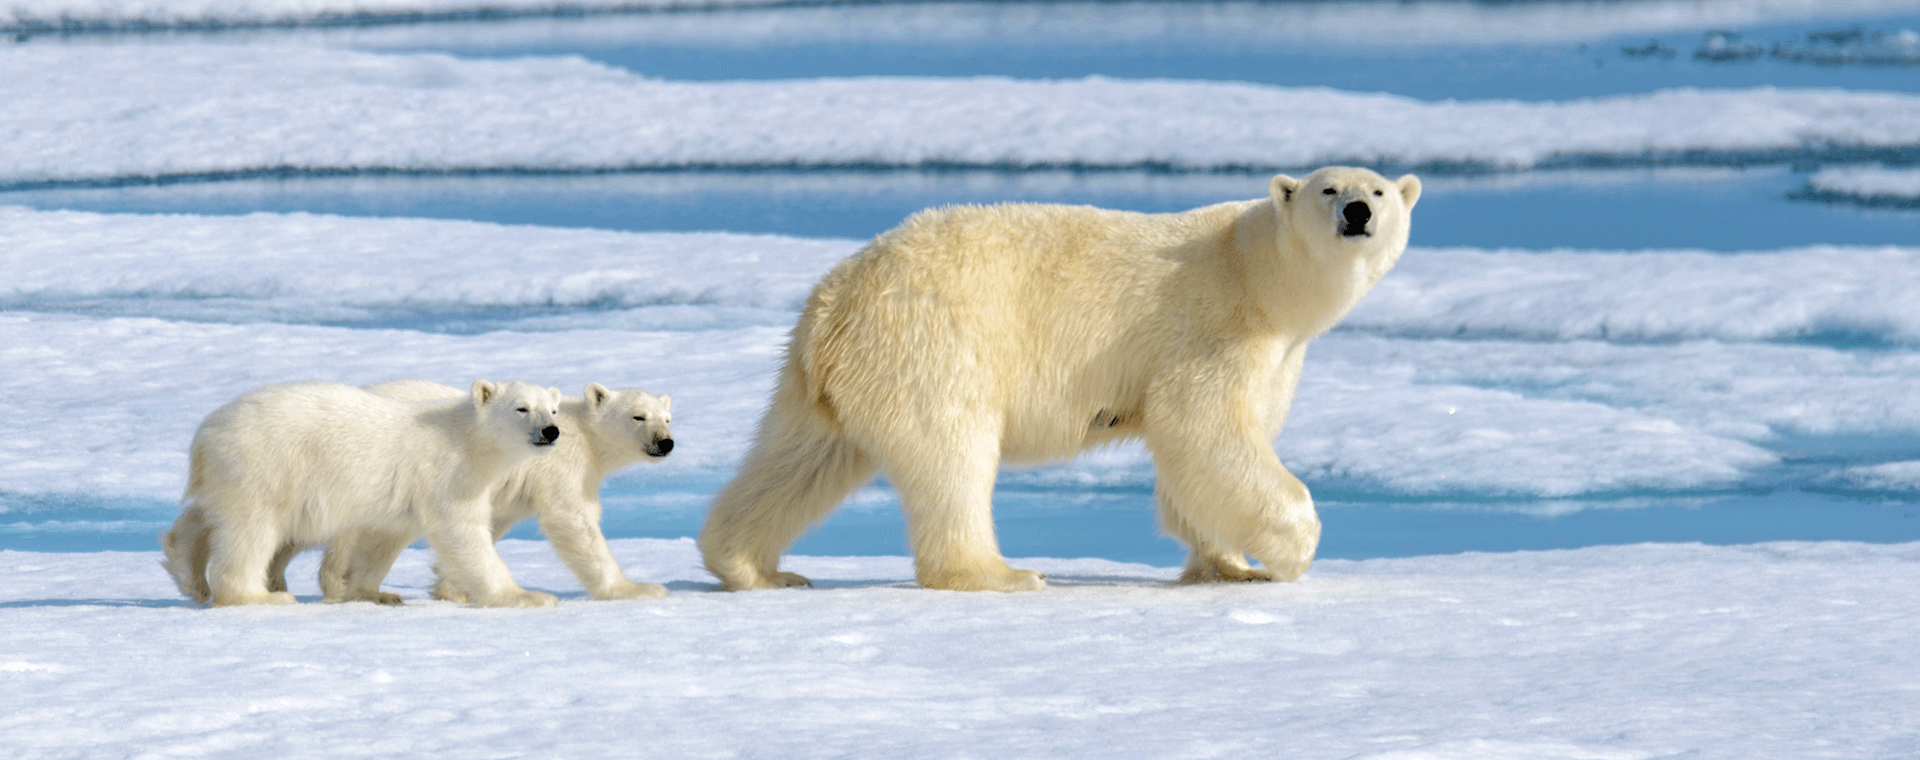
1053,581
148,603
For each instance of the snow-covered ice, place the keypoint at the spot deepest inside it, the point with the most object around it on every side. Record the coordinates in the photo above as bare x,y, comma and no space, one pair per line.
84,114
1774,650
1149,21
1542,374
1872,184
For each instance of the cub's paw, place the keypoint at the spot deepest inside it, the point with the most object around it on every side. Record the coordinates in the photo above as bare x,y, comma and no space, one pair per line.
521,598
445,591
270,597
377,597
776,579
630,590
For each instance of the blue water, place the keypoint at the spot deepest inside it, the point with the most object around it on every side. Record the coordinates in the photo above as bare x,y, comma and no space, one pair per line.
1706,205
1586,208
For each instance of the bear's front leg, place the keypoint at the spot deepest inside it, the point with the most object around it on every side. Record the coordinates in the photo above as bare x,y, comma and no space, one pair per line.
238,560
1207,562
1228,491
463,551
574,531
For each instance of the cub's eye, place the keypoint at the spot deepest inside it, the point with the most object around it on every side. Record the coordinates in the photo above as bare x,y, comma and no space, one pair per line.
641,418
523,410
1328,191
1377,192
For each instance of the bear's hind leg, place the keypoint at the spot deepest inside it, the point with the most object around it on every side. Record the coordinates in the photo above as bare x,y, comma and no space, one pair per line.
356,562
186,547
948,500
797,472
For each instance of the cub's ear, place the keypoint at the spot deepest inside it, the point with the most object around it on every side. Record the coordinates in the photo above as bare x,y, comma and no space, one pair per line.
597,394
666,401
483,392
1282,187
1409,189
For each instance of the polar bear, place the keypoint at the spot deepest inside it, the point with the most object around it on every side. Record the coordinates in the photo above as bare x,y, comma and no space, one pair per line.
305,464
607,430
971,336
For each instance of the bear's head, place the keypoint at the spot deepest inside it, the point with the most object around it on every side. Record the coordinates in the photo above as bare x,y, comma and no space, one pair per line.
634,414
1344,210
517,410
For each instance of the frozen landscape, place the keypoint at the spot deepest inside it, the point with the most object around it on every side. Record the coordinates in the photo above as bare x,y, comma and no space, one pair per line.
1708,457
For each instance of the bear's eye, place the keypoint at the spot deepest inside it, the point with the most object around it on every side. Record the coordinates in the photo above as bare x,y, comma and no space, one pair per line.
1328,191
523,410
1378,193
642,418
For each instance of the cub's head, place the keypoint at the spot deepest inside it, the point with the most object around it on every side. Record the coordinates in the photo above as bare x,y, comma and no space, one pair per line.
633,415
519,410
1340,208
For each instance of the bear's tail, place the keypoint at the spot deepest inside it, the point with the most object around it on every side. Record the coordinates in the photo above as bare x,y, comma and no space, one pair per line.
800,468
186,548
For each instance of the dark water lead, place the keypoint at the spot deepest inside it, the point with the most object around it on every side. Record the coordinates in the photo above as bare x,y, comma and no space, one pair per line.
1627,208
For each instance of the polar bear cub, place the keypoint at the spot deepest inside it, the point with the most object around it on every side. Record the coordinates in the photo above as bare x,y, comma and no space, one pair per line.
607,430
309,464
971,336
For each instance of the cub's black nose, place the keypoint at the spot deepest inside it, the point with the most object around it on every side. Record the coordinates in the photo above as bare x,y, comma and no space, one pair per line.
665,444
1356,213
550,433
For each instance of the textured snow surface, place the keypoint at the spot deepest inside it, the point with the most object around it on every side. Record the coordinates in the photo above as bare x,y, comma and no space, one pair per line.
1869,183
129,113
1454,22
1774,650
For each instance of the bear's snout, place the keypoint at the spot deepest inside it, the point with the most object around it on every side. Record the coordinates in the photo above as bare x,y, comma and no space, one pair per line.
660,448
547,436
1356,214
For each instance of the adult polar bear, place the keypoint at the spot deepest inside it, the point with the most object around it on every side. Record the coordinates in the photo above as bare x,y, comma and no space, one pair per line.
972,335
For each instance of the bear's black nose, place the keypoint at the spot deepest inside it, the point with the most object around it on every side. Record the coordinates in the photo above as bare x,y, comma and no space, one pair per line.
662,447
1356,213
550,433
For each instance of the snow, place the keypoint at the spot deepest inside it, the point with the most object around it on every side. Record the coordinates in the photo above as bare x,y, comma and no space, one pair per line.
750,23
1789,650
1868,183
113,114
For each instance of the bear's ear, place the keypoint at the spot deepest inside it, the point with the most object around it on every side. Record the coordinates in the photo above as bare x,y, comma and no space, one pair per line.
1282,187
666,401
1409,189
597,394
483,392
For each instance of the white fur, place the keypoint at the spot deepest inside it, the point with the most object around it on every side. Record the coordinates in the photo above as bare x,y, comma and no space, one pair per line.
309,464
607,430
970,336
